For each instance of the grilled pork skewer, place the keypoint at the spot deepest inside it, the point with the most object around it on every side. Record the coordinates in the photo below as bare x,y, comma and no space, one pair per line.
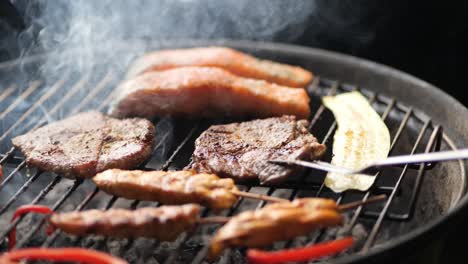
231,60
173,187
205,91
163,223
279,221
168,222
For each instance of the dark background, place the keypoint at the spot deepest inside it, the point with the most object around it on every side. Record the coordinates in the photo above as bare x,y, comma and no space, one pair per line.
428,39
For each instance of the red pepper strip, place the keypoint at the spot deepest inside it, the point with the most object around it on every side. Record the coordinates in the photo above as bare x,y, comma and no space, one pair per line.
40,209
299,254
61,254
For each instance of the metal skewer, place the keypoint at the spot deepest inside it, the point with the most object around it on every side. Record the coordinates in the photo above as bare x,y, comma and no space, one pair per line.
372,168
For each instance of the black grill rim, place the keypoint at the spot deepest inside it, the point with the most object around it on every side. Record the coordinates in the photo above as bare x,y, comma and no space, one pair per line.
360,65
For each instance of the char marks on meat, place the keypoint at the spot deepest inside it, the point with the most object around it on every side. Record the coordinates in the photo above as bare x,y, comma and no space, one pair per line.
87,143
242,150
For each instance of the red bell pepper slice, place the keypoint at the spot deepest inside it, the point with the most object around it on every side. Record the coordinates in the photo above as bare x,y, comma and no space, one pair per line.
299,254
40,209
61,254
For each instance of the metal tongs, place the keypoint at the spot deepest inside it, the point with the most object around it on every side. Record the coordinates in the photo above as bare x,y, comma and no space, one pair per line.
374,167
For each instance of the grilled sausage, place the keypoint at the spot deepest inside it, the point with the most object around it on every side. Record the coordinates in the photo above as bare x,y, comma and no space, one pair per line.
205,91
168,187
163,223
228,59
275,222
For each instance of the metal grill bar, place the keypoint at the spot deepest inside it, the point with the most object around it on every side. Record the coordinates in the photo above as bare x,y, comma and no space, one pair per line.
7,92
38,198
80,207
371,238
60,201
20,191
32,87
38,103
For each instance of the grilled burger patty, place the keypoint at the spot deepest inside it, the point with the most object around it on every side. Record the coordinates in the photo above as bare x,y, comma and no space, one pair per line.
164,223
242,150
234,61
87,143
208,92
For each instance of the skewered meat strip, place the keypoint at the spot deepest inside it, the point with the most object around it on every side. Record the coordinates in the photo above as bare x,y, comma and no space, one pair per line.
168,187
234,61
163,223
205,91
242,150
275,222
86,143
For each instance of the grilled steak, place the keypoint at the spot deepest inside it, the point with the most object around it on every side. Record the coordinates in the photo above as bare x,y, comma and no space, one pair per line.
164,223
228,59
242,150
84,144
168,187
206,91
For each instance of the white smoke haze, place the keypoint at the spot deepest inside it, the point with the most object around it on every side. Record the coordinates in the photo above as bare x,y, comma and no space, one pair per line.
89,26
102,25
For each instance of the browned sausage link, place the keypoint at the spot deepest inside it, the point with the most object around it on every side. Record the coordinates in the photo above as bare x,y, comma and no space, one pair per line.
228,59
169,187
163,223
206,91
275,222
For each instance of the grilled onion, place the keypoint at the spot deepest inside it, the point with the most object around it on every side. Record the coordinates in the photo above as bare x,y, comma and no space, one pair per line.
361,138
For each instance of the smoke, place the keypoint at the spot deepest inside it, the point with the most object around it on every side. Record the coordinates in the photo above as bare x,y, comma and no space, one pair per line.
104,25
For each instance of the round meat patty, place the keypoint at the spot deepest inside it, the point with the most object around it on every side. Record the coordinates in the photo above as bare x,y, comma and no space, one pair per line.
87,143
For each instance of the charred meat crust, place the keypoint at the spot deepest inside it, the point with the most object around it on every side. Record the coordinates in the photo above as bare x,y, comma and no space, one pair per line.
164,223
241,150
86,143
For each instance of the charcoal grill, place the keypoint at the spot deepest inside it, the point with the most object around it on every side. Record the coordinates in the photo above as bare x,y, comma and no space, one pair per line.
422,199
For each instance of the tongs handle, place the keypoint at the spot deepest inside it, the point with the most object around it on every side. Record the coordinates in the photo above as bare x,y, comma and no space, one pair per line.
390,161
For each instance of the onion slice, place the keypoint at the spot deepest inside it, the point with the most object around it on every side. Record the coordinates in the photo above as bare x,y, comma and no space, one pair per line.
361,138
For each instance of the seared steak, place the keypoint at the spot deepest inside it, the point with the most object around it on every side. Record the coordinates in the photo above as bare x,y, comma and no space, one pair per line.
242,150
87,143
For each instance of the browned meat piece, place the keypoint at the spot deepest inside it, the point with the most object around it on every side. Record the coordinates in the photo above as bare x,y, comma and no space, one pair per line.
205,91
169,187
242,150
275,222
163,223
84,144
228,59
